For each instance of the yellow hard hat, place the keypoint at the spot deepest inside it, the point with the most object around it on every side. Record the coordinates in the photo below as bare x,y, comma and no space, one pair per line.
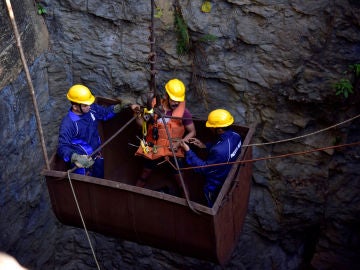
219,118
79,93
175,89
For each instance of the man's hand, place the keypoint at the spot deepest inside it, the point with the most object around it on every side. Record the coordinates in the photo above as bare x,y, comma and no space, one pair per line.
117,108
175,145
184,145
197,142
135,107
82,161
125,103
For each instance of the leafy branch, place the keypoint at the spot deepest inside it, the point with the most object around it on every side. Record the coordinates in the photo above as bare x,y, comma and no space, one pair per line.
194,48
183,37
345,86
40,9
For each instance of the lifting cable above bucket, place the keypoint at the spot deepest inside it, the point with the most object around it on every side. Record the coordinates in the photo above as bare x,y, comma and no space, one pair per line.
28,78
152,59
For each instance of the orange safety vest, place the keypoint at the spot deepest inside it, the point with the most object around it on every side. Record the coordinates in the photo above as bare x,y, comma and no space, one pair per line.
160,147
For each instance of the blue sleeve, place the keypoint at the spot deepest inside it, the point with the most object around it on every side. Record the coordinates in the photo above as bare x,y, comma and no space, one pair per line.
66,132
103,113
213,158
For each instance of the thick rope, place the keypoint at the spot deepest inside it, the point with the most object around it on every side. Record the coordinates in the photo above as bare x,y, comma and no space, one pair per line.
152,57
177,164
73,191
289,139
273,157
108,140
82,220
113,136
28,78
305,135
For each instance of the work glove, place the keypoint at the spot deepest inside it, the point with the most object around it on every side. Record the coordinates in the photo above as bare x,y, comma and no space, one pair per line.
118,107
82,161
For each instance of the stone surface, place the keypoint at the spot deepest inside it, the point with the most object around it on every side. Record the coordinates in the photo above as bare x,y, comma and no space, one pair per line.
33,34
271,63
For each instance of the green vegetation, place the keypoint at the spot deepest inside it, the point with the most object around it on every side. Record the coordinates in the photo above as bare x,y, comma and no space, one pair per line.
184,42
345,86
183,37
356,69
207,38
195,49
158,12
40,9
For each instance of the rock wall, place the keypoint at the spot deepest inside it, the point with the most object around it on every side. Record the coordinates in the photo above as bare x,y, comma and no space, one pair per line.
34,37
271,63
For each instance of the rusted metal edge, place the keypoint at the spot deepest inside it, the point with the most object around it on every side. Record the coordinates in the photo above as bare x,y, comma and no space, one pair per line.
234,170
62,176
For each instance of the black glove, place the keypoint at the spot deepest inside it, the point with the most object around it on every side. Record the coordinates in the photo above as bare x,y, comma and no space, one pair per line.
82,161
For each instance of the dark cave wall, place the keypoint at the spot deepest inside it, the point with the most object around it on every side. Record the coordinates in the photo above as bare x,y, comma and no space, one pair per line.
271,65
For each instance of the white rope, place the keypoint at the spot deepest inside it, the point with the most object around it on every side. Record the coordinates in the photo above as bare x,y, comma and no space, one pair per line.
303,136
82,220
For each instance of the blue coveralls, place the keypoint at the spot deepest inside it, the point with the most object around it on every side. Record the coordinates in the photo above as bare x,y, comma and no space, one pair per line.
79,134
226,149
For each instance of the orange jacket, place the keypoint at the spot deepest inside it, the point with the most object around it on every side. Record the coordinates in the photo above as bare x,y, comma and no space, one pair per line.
160,147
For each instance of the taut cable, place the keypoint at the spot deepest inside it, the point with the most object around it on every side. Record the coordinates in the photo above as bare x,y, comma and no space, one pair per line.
273,157
28,78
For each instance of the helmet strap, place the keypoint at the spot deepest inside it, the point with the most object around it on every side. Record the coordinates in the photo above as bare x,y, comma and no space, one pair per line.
219,131
81,109
79,105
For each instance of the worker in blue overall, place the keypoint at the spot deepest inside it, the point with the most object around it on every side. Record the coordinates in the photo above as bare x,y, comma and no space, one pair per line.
226,148
78,134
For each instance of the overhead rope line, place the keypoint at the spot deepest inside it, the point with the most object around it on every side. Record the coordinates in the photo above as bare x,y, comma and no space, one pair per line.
274,142
274,157
289,139
305,135
28,78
